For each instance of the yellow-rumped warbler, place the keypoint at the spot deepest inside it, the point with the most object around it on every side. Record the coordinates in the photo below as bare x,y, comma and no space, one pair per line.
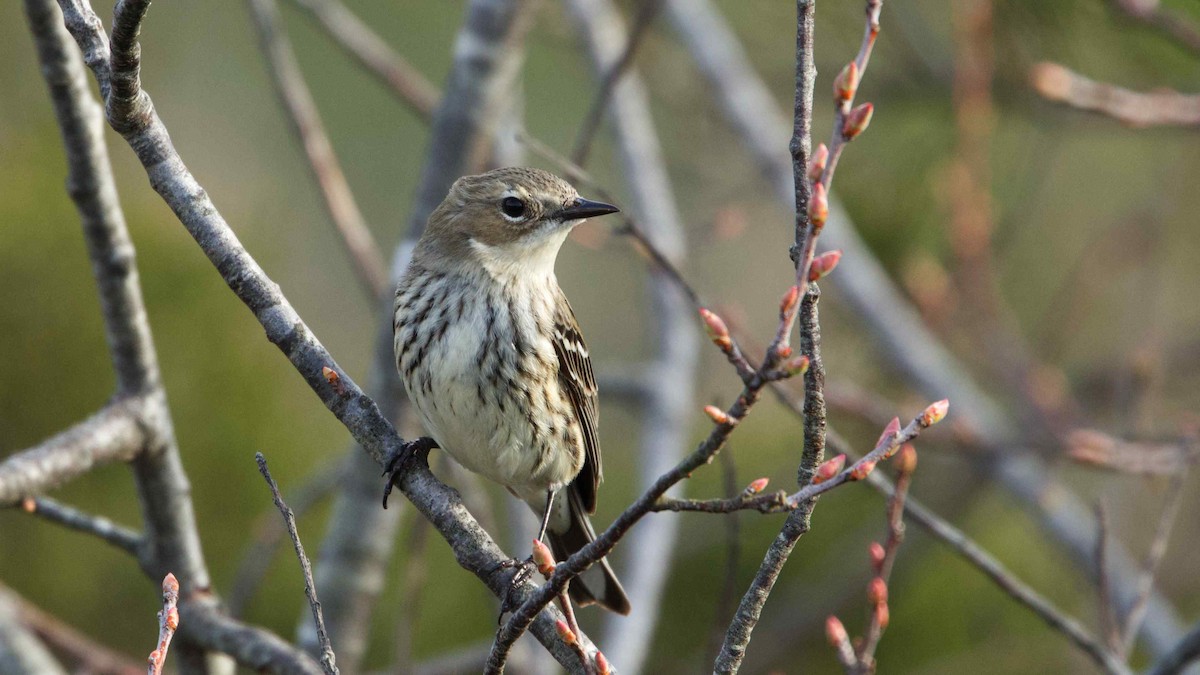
492,357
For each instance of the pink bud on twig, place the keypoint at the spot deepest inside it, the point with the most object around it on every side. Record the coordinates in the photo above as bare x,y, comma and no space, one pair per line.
877,554
862,469
602,667
835,632
789,301
907,463
857,120
877,591
882,616
565,632
716,414
717,330
936,412
889,431
756,486
543,558
846,82
823,265
818,207
797,366
816,165
828,469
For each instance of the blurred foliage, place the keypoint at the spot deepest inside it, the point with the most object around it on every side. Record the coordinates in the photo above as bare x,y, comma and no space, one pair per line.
1062,181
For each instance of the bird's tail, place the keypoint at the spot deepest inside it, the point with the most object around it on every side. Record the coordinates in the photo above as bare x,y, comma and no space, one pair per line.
598,584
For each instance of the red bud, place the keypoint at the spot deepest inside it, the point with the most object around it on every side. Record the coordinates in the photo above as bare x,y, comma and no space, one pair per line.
29,505
602,667
818,206
816,165
862,469
796,366
757,486
716,414
882,616
877,591
788,304
935,413
857,120
717,330
543,558
828,469
877,554
565,632
173,619
823,265
908,459
835,632
889,431
846,83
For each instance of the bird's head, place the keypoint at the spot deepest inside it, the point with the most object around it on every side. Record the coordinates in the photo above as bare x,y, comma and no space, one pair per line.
509,219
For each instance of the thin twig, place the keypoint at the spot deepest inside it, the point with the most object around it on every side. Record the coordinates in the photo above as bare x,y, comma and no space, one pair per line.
356,37
339,200
1185,651
122,537
168,621
647,10
1137,109
1169,22
1154,556
87,655
328,660
1109,627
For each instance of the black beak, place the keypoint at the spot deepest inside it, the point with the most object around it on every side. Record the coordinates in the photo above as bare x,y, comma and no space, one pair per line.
586,208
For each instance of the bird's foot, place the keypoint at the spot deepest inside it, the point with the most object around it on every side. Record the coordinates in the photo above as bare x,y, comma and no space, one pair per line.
525,569
398,461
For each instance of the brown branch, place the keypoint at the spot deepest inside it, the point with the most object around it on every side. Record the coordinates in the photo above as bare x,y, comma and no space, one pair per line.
647,10
85,653
356,38
306,122
328,660
1137,109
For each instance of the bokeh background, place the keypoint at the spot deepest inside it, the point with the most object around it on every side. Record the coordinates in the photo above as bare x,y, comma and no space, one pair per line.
1096,248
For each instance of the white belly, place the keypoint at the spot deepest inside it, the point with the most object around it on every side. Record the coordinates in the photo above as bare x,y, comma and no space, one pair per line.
470,389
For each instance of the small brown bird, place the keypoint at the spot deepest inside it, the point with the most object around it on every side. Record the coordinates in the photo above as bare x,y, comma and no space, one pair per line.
492,357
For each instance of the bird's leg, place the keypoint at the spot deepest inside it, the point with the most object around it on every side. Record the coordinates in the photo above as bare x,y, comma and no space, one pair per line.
398,461
526,566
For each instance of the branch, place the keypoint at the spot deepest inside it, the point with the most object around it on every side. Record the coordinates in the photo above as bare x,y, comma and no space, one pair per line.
88,655
168,621
1153,15
114,434
140,126
306,122
1185,651
20,650
123,538
357,39
1154,557
328,660
1137,109
888,317
203,622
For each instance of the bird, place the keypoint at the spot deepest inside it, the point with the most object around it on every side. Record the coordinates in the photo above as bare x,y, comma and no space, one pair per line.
493,360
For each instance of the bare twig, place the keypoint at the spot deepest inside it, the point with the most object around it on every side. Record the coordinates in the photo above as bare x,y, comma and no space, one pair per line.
1137,109
1185,651
306,122
268,532
356,38
647,10
1154,556
891,321
328,660
86,654
168,621
1110,630
1096,448
20,649
98,526
1166,21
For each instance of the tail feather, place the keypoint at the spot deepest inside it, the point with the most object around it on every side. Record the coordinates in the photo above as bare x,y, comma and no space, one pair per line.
598,584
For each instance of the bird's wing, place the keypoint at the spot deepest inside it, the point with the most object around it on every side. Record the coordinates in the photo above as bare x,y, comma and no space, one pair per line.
575,376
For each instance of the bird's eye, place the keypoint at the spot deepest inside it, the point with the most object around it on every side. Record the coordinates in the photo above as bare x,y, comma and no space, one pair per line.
512,207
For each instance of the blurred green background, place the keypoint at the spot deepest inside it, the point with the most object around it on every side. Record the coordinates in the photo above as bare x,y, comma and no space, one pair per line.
1068,188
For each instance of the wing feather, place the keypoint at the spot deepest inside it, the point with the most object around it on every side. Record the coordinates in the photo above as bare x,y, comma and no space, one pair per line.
576,377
